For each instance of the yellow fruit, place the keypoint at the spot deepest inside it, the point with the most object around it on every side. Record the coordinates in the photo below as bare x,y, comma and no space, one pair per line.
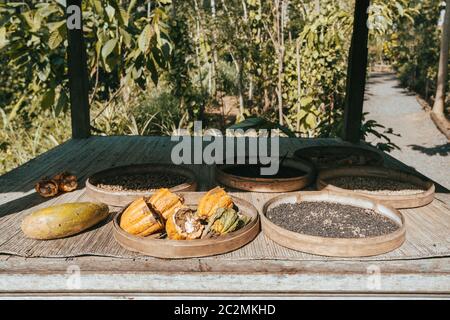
165,202
141,219
63,220
213,200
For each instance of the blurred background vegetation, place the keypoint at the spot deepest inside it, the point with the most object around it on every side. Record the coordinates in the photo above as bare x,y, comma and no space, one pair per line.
158,65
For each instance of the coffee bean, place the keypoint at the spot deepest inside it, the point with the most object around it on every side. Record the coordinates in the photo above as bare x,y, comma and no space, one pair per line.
141,182
254,171
331,220
375,185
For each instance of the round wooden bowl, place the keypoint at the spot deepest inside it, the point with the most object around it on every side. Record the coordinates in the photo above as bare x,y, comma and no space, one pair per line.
396,201
122,198
177,249
341,155
269,185
334,247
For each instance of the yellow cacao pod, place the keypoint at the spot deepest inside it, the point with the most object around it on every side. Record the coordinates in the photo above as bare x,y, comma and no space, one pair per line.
184,225
63,220
213,200
165,202
141,219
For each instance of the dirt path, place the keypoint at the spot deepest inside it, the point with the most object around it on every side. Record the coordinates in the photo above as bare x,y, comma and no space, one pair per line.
422,145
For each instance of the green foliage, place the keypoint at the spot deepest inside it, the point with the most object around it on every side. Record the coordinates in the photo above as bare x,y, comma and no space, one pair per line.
124,45
127,48
371,127
21,141
316,102
413,47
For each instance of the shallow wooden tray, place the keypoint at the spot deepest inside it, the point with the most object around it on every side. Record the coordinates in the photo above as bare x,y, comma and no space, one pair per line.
122,198
366,156
335,247
176,249
269,185
396,201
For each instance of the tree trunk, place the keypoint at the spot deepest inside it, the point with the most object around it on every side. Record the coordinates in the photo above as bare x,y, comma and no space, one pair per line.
267,103
299,83
239,70
280,38
250,89
439,103
215,58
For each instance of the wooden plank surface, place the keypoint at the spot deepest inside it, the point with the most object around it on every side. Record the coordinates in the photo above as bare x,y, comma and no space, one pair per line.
272,272
124,276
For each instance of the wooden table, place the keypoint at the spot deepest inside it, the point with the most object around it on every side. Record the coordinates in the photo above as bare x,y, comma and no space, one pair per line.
124,278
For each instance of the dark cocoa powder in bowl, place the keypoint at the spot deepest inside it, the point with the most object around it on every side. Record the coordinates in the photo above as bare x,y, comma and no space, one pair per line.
254,171
331,220
141,182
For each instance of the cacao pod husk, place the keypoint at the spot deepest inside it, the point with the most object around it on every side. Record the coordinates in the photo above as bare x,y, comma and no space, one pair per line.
141,219
225,220
165,202
213,200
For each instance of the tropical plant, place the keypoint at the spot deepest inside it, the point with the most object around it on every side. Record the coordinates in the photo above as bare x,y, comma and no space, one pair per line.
125,47
413,48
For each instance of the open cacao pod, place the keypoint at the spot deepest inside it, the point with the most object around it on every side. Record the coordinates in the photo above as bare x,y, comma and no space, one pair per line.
213,200
165,202
224,221
184,225
141,219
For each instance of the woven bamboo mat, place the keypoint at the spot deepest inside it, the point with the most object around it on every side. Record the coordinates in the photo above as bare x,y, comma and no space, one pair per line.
428,235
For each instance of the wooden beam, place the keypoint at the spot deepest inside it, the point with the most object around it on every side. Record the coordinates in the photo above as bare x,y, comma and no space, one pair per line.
78,77
356,74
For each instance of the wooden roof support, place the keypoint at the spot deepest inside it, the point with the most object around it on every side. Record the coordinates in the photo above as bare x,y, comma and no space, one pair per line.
356,74
78,77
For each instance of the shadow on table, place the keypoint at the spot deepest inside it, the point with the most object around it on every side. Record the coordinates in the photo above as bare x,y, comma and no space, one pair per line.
442,150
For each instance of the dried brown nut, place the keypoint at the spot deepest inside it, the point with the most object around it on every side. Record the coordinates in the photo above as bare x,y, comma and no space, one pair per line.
67,182
47,188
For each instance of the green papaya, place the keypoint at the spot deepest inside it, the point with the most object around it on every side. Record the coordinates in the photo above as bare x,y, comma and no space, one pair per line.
63,220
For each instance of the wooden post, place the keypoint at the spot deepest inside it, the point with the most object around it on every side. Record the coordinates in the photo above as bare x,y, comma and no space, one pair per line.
78,77
356,74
